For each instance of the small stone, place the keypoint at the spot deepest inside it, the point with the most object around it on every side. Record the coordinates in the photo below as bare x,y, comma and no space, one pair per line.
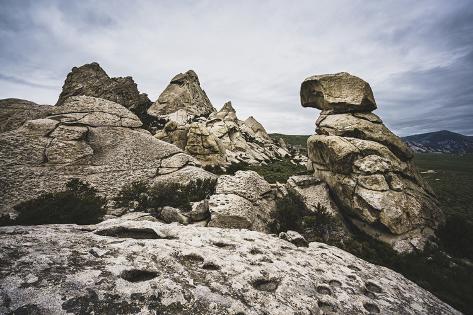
294,238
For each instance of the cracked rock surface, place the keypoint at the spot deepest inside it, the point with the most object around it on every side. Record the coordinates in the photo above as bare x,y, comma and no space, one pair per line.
141,267
88,138
370,171
243,201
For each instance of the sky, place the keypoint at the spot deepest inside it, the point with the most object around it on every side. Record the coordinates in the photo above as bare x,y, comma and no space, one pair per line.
416,55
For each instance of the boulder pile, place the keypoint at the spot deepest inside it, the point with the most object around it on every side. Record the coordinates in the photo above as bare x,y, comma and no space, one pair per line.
216,138
370,171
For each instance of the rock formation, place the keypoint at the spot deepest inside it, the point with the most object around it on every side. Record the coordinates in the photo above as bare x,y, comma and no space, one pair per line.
15,112
369,170
216,138
183,93
91,80
243,201
92,139
129,267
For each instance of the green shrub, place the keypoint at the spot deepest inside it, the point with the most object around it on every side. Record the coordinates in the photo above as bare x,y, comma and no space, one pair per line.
279,170
172,194
78,204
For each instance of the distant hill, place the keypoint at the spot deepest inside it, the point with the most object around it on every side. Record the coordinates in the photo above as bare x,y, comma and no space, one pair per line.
291,139
443,141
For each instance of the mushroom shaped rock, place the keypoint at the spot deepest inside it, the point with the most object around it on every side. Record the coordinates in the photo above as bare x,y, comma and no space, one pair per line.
369,170
340,93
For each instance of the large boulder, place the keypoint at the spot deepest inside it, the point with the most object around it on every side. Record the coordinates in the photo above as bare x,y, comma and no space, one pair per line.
366,126
369,170
130,267
92,80
340,92
92,139
244,200
204,145
15,112
182,93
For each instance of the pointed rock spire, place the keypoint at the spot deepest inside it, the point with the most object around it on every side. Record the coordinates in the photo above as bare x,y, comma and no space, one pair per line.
183,92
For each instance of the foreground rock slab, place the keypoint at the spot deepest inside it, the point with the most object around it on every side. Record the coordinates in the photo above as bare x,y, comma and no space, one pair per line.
142,267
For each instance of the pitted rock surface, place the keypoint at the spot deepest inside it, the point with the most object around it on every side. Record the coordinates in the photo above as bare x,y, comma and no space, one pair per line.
369,170
92,139
141,267
92,80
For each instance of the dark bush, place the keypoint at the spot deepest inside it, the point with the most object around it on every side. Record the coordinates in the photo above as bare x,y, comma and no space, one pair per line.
288,215
166,194
233,168
78,204
319,225
457,236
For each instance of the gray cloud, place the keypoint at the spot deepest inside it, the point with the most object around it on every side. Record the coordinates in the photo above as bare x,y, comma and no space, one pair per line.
25,82
416,55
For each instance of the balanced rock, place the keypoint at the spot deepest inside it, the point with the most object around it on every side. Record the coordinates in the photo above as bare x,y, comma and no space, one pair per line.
340,93
92,80
137,266
369,170
183,93
92,139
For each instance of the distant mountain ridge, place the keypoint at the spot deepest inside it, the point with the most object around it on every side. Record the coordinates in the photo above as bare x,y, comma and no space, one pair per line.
443,141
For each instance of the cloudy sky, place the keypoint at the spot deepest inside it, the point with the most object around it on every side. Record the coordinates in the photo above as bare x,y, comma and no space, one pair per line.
417,55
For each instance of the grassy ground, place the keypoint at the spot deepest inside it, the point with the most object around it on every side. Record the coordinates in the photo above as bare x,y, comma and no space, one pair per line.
291,139
276,171
452,181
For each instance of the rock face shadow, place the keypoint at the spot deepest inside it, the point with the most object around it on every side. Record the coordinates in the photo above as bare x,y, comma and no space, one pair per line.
137,275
